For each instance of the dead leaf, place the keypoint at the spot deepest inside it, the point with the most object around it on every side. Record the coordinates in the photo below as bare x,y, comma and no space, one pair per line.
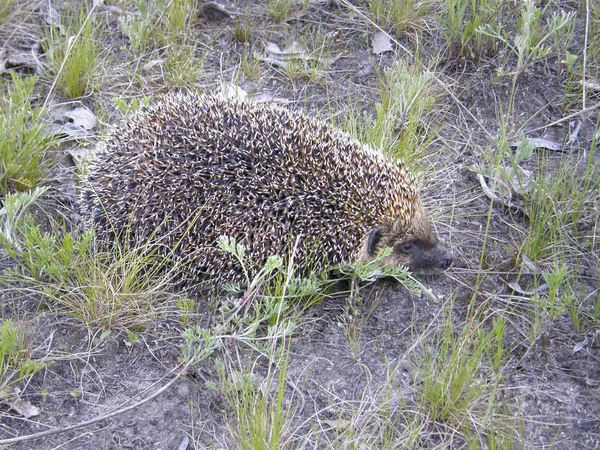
22,62
529,267
518,289
381,43
16,403
76,123
82,117
540,143
269,98
592,85
295,51
338,423
580,345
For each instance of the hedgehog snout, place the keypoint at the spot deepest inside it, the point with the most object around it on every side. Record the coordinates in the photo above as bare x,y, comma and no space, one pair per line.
446,257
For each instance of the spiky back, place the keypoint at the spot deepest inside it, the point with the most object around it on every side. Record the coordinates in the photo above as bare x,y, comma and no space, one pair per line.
195,168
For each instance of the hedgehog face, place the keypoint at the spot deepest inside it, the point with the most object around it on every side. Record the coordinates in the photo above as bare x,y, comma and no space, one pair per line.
420,252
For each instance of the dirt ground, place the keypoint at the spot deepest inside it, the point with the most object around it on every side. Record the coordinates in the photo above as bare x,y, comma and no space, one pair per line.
551,389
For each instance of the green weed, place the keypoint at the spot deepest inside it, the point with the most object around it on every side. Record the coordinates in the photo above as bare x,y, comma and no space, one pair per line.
530,43
263,306
280,10
242,31
128,108
74,55
562,29
116,288
262,421
250,65
138,29
460,20
15,364
260,320
458,386
5,6
24,143
14,216
555,204
160,23
400,15
179,15
405,118
181,67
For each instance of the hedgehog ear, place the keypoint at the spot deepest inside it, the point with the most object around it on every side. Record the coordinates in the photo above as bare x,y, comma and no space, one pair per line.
373,239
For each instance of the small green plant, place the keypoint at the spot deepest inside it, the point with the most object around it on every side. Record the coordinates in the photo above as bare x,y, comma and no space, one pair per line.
405,116
74,55
460,20
260,320
181,66
457,386
554,205
138,29
132,339
262,421
530,43
562,29
14,216
551,304
250,65
120,287
308,59
186,308
242,31
160,23
572,87
400,15
24,143
15,364
4,8
178,16
262,306
280,10
128,108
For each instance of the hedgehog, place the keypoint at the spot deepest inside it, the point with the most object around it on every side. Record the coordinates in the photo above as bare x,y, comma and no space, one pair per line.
191,168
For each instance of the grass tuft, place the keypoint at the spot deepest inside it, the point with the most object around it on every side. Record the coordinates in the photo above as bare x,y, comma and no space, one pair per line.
16,366
73,51
24,143
400,15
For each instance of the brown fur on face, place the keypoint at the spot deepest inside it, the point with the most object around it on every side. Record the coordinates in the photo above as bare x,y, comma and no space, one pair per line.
416,248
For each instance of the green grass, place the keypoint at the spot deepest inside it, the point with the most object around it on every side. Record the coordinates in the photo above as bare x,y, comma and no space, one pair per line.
461,373
461,20
74,56
24,142
5,7
138,29
116,288
556,204
16,365
399,15
280,10
407,116
532,41
261,420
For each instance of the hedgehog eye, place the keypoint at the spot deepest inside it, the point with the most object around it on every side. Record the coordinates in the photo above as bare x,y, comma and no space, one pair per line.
404,248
